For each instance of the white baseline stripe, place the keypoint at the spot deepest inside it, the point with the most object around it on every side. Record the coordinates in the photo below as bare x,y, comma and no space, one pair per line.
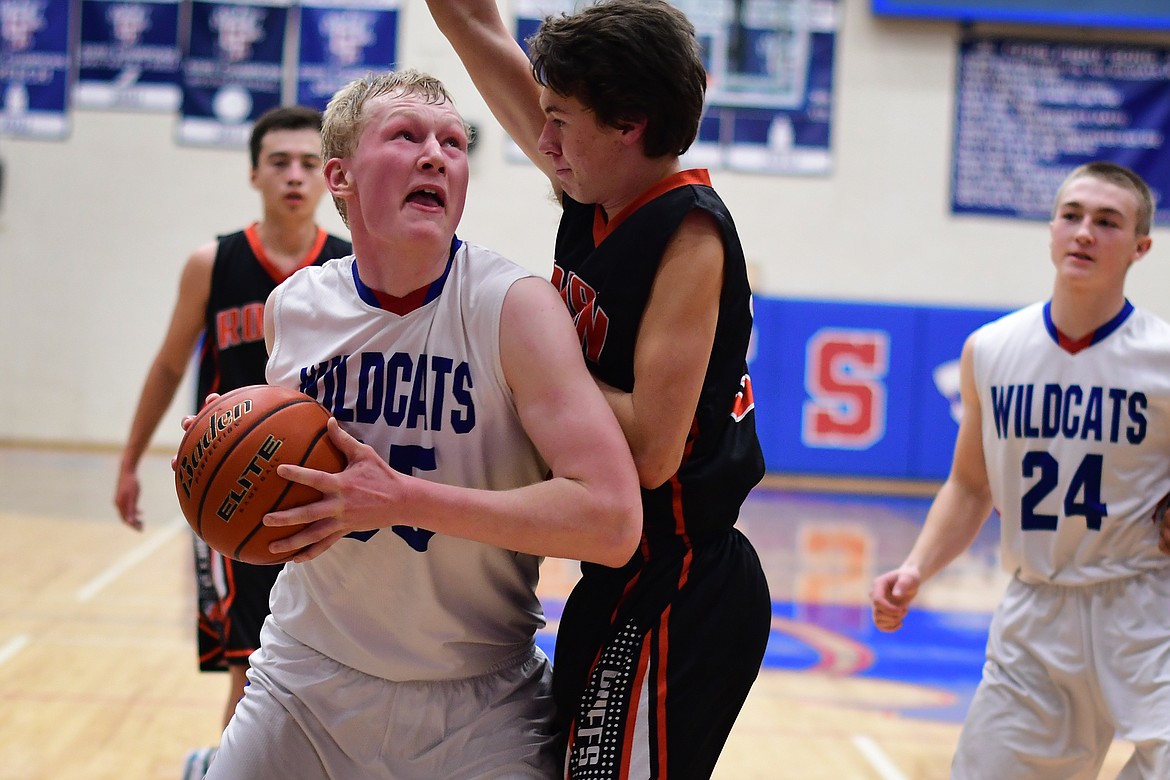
877,758
131,559
13,646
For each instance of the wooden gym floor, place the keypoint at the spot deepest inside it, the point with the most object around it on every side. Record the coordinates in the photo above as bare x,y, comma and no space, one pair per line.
97,653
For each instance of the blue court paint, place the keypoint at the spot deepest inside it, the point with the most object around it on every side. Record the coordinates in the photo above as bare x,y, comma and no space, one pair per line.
938,650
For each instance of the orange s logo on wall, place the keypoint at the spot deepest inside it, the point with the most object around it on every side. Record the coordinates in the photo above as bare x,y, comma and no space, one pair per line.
845,373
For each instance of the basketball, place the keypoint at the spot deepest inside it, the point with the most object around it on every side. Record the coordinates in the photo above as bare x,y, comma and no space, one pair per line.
225,472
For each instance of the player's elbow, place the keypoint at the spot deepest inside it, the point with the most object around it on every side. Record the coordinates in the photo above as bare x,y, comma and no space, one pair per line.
656,466
617,525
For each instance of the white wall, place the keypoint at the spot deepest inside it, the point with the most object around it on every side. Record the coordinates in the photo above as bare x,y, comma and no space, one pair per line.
94,231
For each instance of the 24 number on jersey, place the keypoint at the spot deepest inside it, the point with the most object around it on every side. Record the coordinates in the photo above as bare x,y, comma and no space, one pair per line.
1083,496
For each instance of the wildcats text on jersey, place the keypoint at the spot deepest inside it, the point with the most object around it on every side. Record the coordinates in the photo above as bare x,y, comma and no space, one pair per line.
427,392
1050,411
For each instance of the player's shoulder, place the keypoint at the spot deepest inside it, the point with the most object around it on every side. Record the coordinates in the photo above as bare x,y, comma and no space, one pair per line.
481,263
327,273
202,258
1022,330
1145,338
1026,317
1149,322
485,279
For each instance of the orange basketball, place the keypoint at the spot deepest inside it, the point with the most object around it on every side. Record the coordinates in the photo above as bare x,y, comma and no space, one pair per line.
225,474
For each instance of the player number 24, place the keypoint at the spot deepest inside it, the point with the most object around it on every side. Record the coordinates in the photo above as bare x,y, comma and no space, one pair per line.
1083,496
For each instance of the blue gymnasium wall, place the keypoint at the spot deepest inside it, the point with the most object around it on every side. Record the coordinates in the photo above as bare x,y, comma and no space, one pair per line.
858,389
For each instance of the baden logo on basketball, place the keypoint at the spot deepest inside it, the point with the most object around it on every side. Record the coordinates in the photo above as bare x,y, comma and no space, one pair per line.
225,470
189,465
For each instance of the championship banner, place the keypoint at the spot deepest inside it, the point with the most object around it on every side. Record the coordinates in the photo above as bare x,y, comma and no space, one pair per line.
1126,14
342,40
36,55
233,70
1029,111
770,87
129,55
770,80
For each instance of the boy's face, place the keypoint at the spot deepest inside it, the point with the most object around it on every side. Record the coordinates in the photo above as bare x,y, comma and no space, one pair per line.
288,173
409,171
1094,232
582,150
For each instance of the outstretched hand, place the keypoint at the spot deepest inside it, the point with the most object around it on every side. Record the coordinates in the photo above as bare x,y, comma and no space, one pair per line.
362,497
891,594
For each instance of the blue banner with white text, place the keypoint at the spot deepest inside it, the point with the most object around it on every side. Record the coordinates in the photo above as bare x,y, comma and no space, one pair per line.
129,55
770,70
342,40
1029,111
232,72
37,41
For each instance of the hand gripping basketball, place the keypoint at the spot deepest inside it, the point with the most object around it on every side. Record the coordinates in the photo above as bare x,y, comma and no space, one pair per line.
225,469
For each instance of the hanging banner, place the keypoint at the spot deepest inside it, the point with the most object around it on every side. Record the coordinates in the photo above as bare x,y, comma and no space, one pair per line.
1134,14
1030,111
342,40
129,55
36,42
769,97
770,80
232,72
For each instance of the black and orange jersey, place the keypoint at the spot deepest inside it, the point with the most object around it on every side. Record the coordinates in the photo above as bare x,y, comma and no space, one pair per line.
233,353
605,271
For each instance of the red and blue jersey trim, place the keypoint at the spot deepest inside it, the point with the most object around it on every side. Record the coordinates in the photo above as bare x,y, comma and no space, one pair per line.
411,301
1073,346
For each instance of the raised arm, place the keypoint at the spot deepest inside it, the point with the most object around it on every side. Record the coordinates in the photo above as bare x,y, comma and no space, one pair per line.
959,510
499,69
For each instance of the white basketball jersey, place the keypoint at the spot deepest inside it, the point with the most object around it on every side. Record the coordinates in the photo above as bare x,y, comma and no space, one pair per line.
425,388
1077,445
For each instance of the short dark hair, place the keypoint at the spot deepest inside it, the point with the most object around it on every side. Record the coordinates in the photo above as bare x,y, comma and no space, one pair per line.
282,118
627,60
1119,176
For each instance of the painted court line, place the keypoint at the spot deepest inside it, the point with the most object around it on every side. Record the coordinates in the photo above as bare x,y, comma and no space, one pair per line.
13,646
131,559
877,758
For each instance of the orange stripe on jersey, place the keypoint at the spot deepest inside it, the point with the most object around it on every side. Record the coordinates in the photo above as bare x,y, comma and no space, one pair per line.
680,520
252,233
660,706
644,549
602,228
636,688
206,350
